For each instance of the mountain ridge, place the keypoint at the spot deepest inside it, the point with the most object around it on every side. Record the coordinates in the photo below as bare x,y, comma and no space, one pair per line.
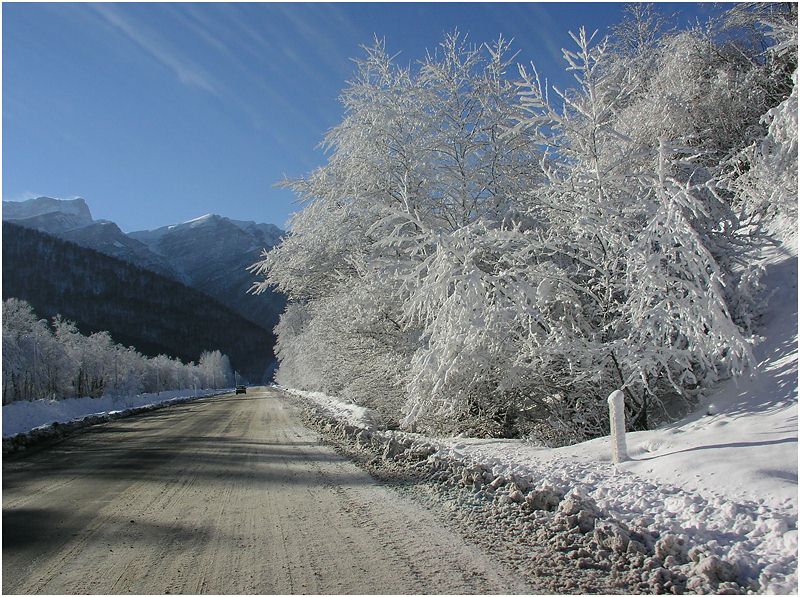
209,253
39,206
138,307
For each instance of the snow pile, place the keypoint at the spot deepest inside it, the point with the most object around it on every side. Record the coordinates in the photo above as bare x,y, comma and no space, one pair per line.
700,540
758,539
23,417
337,409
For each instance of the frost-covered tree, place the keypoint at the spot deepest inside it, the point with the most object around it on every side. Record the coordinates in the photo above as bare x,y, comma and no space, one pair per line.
640,237
34,363
421,156
481,254
763,175
56,361
675,330
67,334
215,370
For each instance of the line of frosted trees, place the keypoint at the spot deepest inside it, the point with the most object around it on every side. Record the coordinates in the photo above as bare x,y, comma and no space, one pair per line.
53,360
485,254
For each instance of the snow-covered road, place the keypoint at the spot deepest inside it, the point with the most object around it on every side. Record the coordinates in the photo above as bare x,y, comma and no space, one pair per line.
230,494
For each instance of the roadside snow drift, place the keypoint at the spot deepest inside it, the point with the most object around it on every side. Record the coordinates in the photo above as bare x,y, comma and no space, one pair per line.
23,417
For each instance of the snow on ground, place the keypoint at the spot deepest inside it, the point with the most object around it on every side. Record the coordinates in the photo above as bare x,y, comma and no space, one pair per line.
724,478
343,411
23,416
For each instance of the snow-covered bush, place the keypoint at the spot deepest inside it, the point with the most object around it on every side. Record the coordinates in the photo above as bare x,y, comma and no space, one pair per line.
347,346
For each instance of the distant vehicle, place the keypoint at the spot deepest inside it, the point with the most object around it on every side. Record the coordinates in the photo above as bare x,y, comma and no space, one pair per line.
241,390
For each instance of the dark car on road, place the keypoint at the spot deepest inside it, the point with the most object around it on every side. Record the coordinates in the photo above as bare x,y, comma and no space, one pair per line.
241,390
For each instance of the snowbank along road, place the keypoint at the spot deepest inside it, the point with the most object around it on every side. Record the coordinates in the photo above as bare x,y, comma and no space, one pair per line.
230,494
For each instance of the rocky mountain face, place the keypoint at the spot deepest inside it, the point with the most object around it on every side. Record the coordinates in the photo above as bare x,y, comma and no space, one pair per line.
210,253
106,237
61,214
213,253
71,219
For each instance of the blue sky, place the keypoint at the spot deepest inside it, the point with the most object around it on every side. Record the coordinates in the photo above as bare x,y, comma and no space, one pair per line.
157,113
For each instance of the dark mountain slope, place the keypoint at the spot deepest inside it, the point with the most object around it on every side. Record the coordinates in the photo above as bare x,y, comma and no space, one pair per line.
138,307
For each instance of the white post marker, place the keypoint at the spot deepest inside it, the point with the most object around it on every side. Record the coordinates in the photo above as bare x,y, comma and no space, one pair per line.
616,410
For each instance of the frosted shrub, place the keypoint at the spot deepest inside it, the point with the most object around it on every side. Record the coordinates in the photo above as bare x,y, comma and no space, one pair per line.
418,165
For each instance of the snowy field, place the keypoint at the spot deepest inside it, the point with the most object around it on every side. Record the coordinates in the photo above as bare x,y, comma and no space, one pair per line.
723,478
24,416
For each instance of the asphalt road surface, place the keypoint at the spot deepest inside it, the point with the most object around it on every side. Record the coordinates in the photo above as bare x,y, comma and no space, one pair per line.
230,494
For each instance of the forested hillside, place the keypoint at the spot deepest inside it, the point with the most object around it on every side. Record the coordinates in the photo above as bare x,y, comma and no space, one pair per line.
137,307
52,360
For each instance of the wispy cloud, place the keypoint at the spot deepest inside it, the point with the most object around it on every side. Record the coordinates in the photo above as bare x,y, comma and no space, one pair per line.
209,27
550,32
185,70
309,28
520,21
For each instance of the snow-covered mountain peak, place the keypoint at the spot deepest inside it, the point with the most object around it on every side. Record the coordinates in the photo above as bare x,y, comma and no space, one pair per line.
264,235
76,210
213,253
204,219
